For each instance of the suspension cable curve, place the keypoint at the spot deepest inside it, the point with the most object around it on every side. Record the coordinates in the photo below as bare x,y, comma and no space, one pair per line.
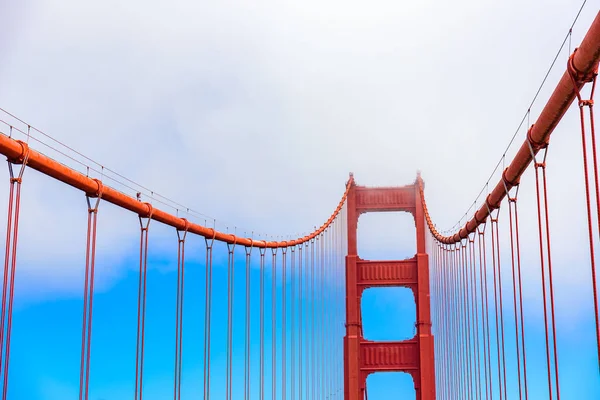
17,150
582,67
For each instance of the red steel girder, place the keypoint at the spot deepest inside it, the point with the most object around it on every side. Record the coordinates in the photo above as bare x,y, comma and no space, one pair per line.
402,356
387,273
385,199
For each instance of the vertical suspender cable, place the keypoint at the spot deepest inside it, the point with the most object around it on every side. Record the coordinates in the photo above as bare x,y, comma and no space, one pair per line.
293,325
518,249
261,392
444,335
435,314
321,331
324,322
312,316
439,322
455,324
283,323
207,314
500,296
274,324
549,284
458,359
444,273
548,362
10,264
339,288
88,294
316,319
464,324
442,328
141,322
462,341
498,307
457,334
451,311
475,317
179,311
330,299
470,318
466,318
484,290
326,328
449,275
330,280
230,290
590,104
300,301
518,311
307,321
449,325
247,355
436,324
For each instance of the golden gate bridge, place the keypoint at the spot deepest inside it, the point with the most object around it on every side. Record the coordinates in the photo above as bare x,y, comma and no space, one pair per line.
314,283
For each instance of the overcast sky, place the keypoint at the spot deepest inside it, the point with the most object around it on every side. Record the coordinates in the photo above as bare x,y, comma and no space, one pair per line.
255,112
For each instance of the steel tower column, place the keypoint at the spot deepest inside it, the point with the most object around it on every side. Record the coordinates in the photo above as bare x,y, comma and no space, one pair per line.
363,357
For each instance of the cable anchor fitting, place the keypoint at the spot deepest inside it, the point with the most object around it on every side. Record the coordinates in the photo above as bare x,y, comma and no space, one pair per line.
97,195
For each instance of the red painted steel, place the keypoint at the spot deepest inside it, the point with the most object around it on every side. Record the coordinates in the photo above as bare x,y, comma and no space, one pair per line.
16,150
387,273
384,199
584,63
389,356
363,357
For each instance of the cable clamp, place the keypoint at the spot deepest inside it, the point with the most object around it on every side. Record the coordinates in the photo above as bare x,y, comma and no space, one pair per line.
186,225
212,241
249,248
97,195
231,246
148,218
22,160
578,77
535,146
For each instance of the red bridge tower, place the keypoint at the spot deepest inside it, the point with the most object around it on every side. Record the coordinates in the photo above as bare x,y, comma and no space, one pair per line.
363,357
